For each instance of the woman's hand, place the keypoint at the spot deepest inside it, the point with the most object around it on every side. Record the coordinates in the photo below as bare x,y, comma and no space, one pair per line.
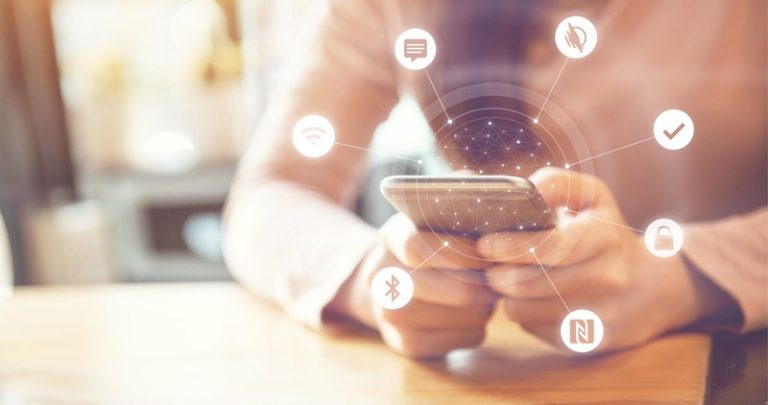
596,262
450,305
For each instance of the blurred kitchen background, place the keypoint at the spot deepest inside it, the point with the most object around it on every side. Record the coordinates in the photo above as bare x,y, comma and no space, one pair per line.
121,123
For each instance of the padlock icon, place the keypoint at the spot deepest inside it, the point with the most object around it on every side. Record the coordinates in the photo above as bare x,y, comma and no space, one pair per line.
664,239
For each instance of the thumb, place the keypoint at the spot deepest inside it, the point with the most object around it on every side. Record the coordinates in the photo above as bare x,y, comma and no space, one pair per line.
574,190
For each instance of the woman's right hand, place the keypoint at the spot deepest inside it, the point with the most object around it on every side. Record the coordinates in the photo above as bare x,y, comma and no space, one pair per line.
450,304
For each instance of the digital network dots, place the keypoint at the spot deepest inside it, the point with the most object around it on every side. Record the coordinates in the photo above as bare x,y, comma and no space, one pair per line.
500,145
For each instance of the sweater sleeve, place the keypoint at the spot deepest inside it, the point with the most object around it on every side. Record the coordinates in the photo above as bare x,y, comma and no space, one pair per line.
289,234
733,253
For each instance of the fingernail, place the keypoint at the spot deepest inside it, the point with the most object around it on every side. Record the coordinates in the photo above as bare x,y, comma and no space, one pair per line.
486,246
498,245
492,246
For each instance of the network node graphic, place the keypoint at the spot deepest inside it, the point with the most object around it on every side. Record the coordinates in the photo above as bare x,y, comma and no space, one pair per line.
313,136
582,331
576,37
663,238
673,129
392,288
415,49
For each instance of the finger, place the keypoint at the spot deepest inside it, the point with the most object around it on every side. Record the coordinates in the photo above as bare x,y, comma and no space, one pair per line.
422,315
416,248
439,287
547,333
535,311
421,344
577,238
592,279
567,188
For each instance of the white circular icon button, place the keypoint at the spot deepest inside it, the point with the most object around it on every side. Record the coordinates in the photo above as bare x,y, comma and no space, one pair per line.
392,288
313,136
582,331
673,129
415,49
663,238
576,37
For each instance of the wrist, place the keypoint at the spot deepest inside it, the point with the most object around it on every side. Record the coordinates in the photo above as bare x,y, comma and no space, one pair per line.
715,306
352,301
690,295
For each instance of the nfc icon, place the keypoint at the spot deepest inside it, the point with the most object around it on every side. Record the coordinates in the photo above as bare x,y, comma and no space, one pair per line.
313,136
582,331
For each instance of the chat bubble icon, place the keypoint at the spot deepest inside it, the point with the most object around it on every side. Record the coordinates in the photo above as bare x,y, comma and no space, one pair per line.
415,48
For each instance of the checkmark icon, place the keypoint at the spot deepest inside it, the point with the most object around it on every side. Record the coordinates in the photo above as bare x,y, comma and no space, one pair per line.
675,132
683,129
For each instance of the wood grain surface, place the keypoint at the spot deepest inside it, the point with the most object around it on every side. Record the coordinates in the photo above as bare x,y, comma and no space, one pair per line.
215,344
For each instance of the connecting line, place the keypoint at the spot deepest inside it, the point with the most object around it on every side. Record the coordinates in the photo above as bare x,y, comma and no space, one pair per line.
533,252
565,62
569,165
377,151
429,257
605,221
439,100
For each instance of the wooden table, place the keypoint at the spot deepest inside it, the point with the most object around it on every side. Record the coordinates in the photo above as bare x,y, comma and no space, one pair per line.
215,344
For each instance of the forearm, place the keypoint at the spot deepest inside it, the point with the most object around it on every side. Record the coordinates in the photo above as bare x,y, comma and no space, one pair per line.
292,246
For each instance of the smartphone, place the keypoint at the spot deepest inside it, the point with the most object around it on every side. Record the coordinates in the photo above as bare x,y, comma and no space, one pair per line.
469,206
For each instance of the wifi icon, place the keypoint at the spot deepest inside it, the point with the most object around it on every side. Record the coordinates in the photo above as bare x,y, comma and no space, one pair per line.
313,136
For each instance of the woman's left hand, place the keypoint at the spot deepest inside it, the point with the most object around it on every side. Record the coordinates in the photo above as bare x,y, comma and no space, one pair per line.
596,262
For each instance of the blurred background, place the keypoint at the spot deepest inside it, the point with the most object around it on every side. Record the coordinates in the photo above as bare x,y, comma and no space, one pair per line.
121,124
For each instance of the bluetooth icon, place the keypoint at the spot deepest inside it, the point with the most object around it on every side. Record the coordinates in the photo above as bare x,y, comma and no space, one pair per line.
392,284
392,288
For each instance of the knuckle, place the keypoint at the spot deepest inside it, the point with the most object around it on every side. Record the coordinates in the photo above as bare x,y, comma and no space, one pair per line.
395,317
469,294
548,334
464,293
414,249
475,337
514,290
488,310
480,314
617,237
512,310
412,347
418,352
616,281
520,288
